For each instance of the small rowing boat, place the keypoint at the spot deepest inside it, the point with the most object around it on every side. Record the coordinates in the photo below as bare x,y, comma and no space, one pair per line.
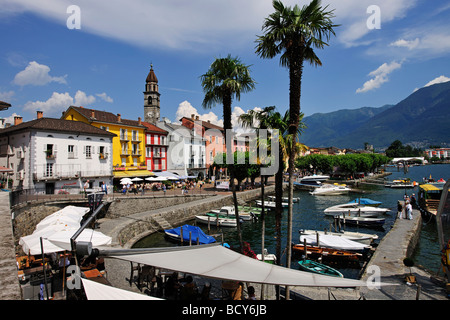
327,253
319,268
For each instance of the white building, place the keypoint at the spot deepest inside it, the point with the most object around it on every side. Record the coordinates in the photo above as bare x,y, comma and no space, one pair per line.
186,153
56,156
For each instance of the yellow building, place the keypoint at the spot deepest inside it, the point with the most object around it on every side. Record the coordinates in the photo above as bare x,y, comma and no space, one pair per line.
127,147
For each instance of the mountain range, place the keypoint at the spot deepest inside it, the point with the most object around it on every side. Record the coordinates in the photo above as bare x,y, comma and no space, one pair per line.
420,120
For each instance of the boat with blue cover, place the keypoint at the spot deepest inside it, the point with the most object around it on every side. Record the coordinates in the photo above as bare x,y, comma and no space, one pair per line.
189,233
366,202
319,268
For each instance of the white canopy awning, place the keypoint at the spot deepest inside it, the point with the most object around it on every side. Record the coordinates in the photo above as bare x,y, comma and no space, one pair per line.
216,261
98,291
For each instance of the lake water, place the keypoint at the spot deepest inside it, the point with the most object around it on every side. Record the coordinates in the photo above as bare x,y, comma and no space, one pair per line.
308,214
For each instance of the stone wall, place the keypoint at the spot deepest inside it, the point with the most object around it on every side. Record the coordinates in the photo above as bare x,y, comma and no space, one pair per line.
129,231
125,206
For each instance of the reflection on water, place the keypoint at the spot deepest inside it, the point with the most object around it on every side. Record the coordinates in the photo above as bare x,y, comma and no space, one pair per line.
308,214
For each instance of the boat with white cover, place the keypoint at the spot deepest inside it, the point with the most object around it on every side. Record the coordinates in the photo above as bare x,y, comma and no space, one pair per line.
334,242
221,222
270,204
364,238
355,210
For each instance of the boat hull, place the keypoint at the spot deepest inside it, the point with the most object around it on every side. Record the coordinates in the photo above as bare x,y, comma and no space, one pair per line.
363,238
319,268
327,253
214,221
363,221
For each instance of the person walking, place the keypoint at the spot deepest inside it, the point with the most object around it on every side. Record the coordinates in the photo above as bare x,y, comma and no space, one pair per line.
85,187
104,187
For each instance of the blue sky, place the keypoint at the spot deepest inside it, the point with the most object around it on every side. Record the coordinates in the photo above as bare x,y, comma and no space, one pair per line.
46,66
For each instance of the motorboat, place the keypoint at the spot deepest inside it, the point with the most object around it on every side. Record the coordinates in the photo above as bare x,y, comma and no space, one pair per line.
229,212
314,177
330,189
366,202
221,222
373,222
268,257
189,234
334,242
248,209
284,199
364,238
310,182
319,268
270,204
400,183
355,210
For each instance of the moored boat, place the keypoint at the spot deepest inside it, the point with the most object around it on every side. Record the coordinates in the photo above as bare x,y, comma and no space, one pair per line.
364,238
334,242
189,234
363,221
319,268
221,222
366,202
400,183
284,199
270,204
355,210
327,253
268,257
330,189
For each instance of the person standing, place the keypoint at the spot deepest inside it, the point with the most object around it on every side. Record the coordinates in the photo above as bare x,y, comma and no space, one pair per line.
85,187
399,210
104,187
408,210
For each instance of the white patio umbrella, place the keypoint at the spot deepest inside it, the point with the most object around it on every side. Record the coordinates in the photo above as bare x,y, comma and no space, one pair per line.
69,215
126,181
137,179
155,179
56,238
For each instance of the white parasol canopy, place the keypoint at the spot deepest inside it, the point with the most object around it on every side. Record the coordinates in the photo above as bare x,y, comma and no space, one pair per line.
56,238
57,229
69,215
126,181
98,291
155,179
216,261
137,179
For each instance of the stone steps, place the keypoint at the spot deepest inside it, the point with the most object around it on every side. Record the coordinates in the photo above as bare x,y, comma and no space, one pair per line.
161,222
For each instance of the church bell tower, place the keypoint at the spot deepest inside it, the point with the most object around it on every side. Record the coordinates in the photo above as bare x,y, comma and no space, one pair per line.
151,98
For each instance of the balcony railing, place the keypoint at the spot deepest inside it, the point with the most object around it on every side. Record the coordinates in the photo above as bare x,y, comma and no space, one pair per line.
62,171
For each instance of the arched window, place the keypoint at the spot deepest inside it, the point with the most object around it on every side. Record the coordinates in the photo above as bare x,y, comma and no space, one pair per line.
149,100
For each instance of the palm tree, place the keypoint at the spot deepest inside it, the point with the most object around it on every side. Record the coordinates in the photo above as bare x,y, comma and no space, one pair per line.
294,33
227,78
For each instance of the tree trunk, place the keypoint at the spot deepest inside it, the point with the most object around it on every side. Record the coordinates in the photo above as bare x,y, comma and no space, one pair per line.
278,211
263,230
230,157
295,76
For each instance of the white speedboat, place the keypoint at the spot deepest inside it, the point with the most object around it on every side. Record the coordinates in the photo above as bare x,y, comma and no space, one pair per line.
268,257
364,238
355,210
330,189
270,204
314,177
229,212
221,222
399,184
285,199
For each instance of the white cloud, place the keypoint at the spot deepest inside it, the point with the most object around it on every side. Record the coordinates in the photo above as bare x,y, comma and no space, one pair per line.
82,99
197,25
410,44
380,76
440,79
185,109
10,119
37,75
54,105
105,97
6,96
